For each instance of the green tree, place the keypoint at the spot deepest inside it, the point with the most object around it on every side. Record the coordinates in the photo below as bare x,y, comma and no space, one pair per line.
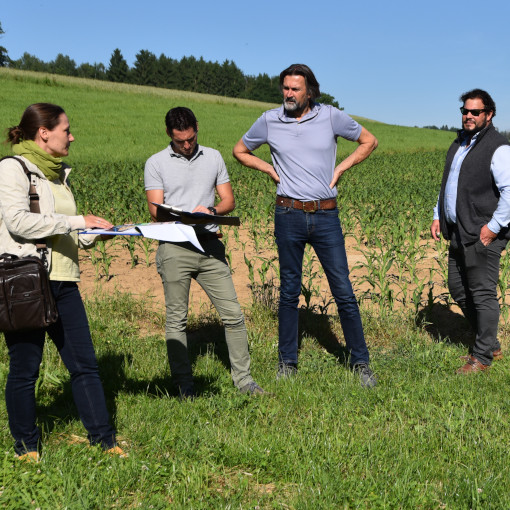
4,58
29,62
118,69
207,77
166,74
263,88
328,99
233,79
63,65
144,70
188,73
95,71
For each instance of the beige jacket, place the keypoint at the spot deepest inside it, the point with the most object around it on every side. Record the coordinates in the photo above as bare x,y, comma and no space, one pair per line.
19,228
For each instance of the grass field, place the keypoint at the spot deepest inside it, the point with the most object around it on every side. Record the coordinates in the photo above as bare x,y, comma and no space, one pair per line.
423,438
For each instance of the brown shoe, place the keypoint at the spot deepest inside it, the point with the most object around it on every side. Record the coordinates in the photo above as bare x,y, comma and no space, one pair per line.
118,451
496,356
472,365
29,457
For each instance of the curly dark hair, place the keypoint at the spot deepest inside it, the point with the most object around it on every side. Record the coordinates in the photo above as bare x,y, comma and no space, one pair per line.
486,98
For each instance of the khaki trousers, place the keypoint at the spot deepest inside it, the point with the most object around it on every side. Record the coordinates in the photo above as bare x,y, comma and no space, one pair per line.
177,264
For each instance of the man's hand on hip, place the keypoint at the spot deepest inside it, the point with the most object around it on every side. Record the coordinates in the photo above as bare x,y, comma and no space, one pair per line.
487,235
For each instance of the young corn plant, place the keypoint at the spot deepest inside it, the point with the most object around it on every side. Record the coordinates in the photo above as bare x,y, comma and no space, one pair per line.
105,259
310,284
148,248
377,266
442,262
130,244
96,264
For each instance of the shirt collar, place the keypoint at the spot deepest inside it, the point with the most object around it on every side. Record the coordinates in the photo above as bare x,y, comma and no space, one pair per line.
173,154
464,137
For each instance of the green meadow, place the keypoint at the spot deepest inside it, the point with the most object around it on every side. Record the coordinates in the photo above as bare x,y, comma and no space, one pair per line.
423,438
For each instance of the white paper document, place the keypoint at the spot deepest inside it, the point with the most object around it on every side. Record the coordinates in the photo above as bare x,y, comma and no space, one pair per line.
173,232
168,231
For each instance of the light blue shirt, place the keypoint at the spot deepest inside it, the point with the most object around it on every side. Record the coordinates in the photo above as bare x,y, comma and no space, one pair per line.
303,151
500,169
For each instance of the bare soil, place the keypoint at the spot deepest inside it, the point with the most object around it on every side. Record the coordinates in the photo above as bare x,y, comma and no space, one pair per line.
143,281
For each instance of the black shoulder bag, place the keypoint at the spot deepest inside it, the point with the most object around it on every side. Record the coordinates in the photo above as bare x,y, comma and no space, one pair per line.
26,301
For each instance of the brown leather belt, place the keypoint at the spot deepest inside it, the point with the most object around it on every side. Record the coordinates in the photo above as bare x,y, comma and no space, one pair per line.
308,206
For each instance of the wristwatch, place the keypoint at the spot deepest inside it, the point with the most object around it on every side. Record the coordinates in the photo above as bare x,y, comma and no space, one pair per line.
213,210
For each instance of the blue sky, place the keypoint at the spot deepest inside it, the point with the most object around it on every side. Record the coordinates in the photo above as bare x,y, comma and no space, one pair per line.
397,62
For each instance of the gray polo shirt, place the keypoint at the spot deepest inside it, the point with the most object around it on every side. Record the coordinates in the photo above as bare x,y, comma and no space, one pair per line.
303,151
186,183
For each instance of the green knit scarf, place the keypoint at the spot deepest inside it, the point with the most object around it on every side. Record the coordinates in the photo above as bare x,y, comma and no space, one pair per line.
47,164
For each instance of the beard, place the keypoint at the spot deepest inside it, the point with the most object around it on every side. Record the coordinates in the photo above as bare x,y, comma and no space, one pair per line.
291,105
472,128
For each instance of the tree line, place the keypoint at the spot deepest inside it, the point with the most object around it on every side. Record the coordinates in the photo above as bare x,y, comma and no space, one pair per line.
442,128
506,134
188,73
4,58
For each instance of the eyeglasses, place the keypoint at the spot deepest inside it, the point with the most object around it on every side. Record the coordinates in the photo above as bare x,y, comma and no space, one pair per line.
475,113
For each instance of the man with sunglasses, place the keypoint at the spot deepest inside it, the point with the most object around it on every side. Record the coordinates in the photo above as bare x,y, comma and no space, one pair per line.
473,213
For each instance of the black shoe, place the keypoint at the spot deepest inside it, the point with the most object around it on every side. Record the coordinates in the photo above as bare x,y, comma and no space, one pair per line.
366,376
286,371
186,392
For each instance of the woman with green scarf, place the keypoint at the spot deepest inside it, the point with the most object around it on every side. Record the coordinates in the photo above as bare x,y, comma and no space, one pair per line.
41,139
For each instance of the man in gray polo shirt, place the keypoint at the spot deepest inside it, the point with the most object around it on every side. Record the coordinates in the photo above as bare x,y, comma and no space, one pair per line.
187,175
302,136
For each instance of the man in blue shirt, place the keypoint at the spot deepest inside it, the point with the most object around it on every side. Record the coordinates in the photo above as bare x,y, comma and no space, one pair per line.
473,212
302,136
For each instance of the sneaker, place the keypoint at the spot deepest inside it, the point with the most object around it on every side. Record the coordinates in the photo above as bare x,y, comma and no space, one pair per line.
118,451
366,376
252,389
286,371
29,457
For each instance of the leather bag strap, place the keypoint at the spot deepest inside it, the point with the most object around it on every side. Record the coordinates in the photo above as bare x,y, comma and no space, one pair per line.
40,244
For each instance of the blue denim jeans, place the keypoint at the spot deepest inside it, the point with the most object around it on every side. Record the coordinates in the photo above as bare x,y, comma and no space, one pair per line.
71,336
322,230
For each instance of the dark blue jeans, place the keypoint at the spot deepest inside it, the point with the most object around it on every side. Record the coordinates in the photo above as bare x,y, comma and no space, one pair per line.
71,336
322,230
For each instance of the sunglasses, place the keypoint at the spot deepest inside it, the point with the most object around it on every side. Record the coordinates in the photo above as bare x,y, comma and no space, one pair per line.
476,112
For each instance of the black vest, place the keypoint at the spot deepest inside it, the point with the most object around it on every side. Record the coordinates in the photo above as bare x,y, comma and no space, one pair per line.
477,194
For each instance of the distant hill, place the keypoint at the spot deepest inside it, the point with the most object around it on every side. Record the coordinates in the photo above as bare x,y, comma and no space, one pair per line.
121,122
